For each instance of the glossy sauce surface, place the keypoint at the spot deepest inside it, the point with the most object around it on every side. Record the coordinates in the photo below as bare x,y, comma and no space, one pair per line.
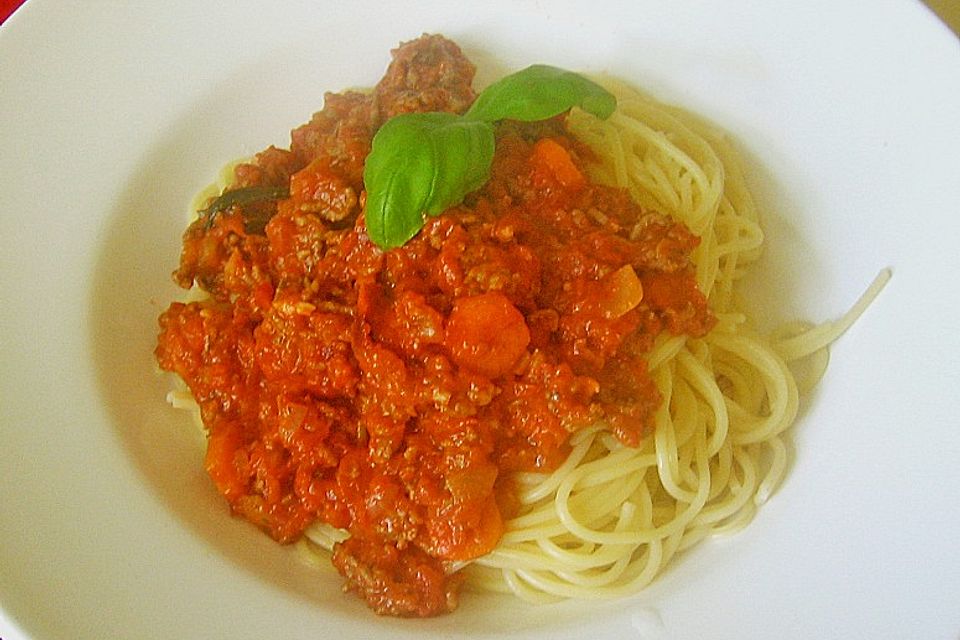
392,393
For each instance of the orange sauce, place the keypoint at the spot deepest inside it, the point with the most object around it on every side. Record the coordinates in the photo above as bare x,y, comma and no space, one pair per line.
392,393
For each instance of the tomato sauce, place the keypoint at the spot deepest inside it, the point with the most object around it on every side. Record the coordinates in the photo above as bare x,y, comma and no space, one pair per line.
391,393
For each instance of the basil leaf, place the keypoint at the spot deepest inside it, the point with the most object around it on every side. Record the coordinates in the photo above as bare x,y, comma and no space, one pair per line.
540,92
422,163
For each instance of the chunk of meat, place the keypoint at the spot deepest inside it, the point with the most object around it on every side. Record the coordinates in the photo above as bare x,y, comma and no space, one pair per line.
427,74
408,584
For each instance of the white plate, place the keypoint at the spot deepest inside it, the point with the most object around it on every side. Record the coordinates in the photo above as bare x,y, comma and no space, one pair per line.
112,115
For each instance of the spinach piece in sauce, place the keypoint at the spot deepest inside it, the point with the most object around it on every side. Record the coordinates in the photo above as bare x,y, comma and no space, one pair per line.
241,196
423,163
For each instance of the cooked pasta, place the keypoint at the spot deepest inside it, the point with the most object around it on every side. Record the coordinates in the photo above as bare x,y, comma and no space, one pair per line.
549,390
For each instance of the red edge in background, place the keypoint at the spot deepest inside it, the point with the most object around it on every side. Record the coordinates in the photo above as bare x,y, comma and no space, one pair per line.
7,7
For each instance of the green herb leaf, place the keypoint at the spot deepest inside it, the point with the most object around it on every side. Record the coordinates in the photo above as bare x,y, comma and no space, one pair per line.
421,164
540,92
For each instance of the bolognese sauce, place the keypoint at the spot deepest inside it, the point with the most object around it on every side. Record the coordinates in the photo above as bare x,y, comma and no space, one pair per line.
392,393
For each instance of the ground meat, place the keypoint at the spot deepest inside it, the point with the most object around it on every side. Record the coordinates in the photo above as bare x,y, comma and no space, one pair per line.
410,584
340,135
393,393
428,74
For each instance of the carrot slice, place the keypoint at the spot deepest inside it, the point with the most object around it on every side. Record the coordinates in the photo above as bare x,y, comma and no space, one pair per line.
486,334
550,157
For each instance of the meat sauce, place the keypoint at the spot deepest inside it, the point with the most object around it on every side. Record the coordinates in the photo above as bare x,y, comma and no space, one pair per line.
392,393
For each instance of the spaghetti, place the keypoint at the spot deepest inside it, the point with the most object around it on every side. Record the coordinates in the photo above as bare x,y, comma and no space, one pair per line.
420,412
607,522
611,517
